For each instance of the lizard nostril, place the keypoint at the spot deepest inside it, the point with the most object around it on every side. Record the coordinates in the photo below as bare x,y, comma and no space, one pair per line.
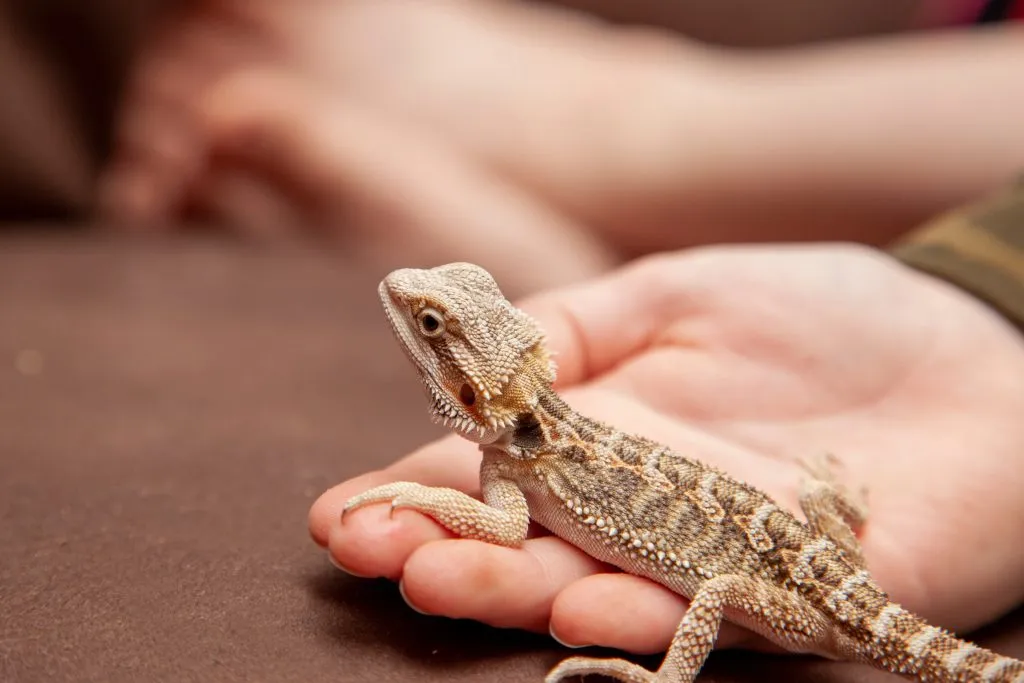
467,395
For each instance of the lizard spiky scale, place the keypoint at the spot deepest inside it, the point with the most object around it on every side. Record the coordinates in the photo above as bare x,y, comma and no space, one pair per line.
644,508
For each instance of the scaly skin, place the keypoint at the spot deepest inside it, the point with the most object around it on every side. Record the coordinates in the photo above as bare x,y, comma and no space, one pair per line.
644,508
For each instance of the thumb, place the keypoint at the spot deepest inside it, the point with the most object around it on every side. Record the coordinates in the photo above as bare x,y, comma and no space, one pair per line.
596,325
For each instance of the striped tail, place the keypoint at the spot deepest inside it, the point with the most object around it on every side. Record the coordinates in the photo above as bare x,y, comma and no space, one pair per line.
912,647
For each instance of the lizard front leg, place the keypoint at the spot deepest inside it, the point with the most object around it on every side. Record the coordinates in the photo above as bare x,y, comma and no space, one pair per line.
502,518
777,614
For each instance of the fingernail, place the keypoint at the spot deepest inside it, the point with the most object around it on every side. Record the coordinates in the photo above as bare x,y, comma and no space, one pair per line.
561,641
414,608
333,560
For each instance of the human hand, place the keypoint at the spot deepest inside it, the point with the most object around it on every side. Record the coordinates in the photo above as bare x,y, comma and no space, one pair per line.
441,130
749,358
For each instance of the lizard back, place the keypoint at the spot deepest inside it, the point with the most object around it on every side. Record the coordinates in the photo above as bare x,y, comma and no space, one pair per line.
648,510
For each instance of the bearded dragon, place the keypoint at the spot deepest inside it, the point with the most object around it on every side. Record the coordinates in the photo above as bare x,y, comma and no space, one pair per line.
644,508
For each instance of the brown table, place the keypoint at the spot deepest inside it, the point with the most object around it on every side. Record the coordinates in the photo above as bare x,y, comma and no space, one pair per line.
168,412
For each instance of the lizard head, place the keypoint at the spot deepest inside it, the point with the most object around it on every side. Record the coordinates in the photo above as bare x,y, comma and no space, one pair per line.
482,361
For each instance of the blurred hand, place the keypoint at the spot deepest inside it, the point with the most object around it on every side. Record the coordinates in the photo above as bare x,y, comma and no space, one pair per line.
749,358
433,130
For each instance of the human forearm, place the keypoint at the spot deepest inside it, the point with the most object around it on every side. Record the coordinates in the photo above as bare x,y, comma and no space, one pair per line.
859,141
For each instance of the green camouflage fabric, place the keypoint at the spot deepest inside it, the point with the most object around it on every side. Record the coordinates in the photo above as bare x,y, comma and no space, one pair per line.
979,248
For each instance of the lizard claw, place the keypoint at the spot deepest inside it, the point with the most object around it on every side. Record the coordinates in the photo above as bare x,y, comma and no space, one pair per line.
395,493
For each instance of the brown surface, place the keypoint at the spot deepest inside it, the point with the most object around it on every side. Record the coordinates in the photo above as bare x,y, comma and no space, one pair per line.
155,473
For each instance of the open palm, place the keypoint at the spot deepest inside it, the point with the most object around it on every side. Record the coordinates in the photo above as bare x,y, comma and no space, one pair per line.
751,358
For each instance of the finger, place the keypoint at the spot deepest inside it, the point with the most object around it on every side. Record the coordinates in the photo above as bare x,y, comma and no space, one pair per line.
452,462
504,587
374,542
158,141
325,513
345,161
594,326
154,151
625,612
439,574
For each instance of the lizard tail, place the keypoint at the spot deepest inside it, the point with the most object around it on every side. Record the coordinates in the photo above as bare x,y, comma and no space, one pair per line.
917,648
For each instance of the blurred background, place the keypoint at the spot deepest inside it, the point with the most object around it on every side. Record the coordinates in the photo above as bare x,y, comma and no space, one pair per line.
197,200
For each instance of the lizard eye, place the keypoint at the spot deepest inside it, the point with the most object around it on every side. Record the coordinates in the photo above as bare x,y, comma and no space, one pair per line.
431,322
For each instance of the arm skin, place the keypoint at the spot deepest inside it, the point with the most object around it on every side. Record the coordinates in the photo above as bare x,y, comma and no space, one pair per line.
852,141
575,144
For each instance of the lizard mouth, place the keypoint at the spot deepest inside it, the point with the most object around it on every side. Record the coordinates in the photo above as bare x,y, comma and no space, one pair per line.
465,426
402,330
406,336
444,410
